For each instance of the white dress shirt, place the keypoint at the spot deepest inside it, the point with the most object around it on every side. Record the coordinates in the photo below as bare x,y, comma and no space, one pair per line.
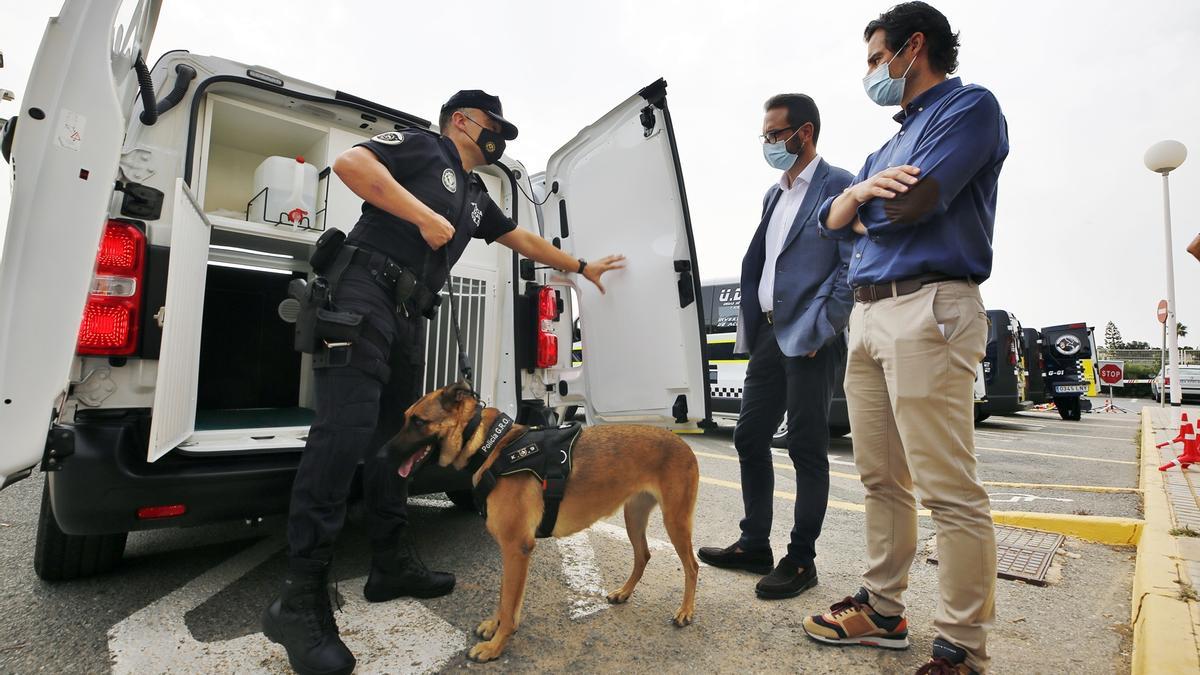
781,223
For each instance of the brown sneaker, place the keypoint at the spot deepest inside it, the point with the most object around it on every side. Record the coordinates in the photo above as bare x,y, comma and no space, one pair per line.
853,622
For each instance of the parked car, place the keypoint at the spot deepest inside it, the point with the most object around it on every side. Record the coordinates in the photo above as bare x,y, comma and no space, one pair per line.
1069,352
1189,384
1003,367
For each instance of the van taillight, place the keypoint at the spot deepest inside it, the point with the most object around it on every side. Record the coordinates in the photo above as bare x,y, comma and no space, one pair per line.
114,303
547,341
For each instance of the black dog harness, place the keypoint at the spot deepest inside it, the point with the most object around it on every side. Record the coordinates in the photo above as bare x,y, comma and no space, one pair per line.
543,451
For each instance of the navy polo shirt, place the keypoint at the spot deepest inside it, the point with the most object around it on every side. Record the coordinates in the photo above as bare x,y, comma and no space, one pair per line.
428,166
958,137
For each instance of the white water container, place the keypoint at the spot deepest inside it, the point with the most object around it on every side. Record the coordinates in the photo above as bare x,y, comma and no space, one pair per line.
291,192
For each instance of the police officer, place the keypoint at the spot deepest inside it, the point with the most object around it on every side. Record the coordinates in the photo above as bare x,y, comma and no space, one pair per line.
421,201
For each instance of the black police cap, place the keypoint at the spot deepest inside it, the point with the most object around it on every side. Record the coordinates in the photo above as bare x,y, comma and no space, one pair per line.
477,98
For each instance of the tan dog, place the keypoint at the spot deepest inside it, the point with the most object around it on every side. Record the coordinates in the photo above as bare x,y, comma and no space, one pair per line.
634,466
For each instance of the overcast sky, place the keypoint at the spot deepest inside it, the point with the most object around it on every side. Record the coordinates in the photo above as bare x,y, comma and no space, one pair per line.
1086,88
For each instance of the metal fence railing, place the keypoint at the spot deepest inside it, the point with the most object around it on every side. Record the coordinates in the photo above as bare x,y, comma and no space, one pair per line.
1148,357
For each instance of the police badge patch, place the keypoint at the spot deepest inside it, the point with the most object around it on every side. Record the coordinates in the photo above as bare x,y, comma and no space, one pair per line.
390,138
476,214
449,181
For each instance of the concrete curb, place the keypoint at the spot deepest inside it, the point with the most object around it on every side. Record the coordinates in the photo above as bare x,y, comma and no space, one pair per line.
1101,529
1164,637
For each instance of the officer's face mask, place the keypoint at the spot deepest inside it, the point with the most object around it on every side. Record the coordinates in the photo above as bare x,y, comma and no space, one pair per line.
884,89
777,154
490,143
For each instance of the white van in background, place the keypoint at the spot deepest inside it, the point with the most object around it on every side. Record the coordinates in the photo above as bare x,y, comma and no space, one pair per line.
179,399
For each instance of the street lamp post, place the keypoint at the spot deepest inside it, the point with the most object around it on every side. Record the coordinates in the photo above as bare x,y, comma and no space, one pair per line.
1163,158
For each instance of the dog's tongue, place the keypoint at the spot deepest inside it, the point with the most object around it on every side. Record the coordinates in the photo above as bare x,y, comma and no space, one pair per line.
407,467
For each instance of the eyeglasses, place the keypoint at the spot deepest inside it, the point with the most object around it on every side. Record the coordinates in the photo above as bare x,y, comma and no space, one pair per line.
773,136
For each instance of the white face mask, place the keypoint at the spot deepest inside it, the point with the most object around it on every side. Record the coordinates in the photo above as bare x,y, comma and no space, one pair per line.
884,89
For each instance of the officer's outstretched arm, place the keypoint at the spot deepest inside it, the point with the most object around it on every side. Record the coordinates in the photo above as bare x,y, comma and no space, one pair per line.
536,248
368,178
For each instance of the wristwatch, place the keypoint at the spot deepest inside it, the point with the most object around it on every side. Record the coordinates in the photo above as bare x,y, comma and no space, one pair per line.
582,264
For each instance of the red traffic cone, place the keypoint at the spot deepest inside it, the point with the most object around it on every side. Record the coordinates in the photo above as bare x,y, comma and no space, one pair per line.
1191,449
1183,419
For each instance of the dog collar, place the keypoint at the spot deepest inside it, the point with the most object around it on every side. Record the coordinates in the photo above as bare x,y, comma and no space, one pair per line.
496,431
473,425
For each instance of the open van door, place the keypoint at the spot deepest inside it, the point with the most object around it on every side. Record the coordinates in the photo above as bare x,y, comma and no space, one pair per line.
617,188
65,155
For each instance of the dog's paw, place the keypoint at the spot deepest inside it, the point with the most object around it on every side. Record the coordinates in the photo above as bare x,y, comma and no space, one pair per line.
487,628
485,651
682,618
619,597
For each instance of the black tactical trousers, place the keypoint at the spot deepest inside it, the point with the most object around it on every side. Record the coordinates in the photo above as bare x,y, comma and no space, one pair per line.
356,414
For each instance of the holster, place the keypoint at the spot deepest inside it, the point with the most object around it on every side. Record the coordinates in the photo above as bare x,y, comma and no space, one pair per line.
318,326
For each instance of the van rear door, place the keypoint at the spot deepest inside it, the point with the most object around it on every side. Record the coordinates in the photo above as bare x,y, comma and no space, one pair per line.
617,188
65,156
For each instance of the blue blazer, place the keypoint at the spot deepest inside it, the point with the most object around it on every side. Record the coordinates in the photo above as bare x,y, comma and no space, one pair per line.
812,290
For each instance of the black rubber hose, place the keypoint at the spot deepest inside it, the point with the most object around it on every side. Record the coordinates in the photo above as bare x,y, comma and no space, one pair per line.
146,88
184,74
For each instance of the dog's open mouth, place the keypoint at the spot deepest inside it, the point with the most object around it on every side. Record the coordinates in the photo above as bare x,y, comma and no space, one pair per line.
411,462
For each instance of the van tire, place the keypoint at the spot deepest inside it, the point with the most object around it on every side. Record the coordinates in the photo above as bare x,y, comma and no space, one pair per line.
59,556
1069,408
463,499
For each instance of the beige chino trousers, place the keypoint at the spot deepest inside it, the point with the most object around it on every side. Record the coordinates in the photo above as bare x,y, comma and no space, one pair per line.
910,392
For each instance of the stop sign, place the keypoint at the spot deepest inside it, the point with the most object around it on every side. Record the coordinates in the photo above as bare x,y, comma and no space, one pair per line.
1112,373
1162,311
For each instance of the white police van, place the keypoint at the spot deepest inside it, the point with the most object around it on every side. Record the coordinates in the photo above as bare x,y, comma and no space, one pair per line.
178,399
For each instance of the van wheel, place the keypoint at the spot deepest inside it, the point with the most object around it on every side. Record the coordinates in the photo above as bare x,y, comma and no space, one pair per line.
1068,408
59,556
463,499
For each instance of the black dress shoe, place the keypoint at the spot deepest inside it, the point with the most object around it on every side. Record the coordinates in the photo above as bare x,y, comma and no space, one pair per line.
734,558
787,580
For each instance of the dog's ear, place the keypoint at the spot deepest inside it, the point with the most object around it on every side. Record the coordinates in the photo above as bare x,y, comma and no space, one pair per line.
453,394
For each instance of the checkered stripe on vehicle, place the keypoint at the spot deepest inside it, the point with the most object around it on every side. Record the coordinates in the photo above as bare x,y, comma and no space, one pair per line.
725,392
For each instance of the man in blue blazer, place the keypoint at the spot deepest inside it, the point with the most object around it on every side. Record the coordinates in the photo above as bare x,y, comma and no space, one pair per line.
795,304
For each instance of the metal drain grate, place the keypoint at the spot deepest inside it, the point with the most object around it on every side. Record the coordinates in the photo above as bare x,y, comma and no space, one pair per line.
1021,554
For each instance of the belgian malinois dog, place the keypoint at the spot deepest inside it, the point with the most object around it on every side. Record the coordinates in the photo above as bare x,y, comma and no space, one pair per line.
615,465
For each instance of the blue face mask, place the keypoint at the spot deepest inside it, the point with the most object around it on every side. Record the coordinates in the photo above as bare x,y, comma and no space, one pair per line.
777,154
884,89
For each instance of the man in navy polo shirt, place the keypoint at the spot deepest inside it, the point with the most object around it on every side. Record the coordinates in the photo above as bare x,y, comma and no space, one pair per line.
922,211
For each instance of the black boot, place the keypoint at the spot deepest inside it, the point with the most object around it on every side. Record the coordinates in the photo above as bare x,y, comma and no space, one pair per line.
399,572
301,619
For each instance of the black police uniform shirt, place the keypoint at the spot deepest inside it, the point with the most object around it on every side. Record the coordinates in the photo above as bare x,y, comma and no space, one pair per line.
428,165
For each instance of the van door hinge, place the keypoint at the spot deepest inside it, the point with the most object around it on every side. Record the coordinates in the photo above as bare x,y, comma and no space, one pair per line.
648,120
687,288
60,444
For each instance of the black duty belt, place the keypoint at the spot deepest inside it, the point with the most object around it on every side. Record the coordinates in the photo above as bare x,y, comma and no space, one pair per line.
895,289
406,287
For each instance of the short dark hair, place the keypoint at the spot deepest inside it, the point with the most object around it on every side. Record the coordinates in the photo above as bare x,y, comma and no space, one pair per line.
901,21
444,118
801,109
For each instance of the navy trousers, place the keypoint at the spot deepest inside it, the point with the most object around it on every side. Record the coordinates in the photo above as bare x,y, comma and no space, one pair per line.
356,414
802,387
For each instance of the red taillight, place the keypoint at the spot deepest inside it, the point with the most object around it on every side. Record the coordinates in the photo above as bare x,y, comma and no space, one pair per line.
114,305
547,341
1012,350
152,512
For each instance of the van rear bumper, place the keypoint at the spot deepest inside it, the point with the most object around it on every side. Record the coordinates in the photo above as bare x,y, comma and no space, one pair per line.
100,487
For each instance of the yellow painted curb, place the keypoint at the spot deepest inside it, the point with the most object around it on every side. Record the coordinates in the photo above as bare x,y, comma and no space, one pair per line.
1100,529
1164,636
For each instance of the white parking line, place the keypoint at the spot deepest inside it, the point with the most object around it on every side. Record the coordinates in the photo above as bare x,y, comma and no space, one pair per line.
399,636
583,575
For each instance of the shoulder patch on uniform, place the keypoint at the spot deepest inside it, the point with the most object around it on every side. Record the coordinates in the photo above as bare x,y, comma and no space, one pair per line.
449,180
389,138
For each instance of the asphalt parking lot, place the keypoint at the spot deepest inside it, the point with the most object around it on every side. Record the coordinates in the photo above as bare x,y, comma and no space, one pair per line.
189,601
